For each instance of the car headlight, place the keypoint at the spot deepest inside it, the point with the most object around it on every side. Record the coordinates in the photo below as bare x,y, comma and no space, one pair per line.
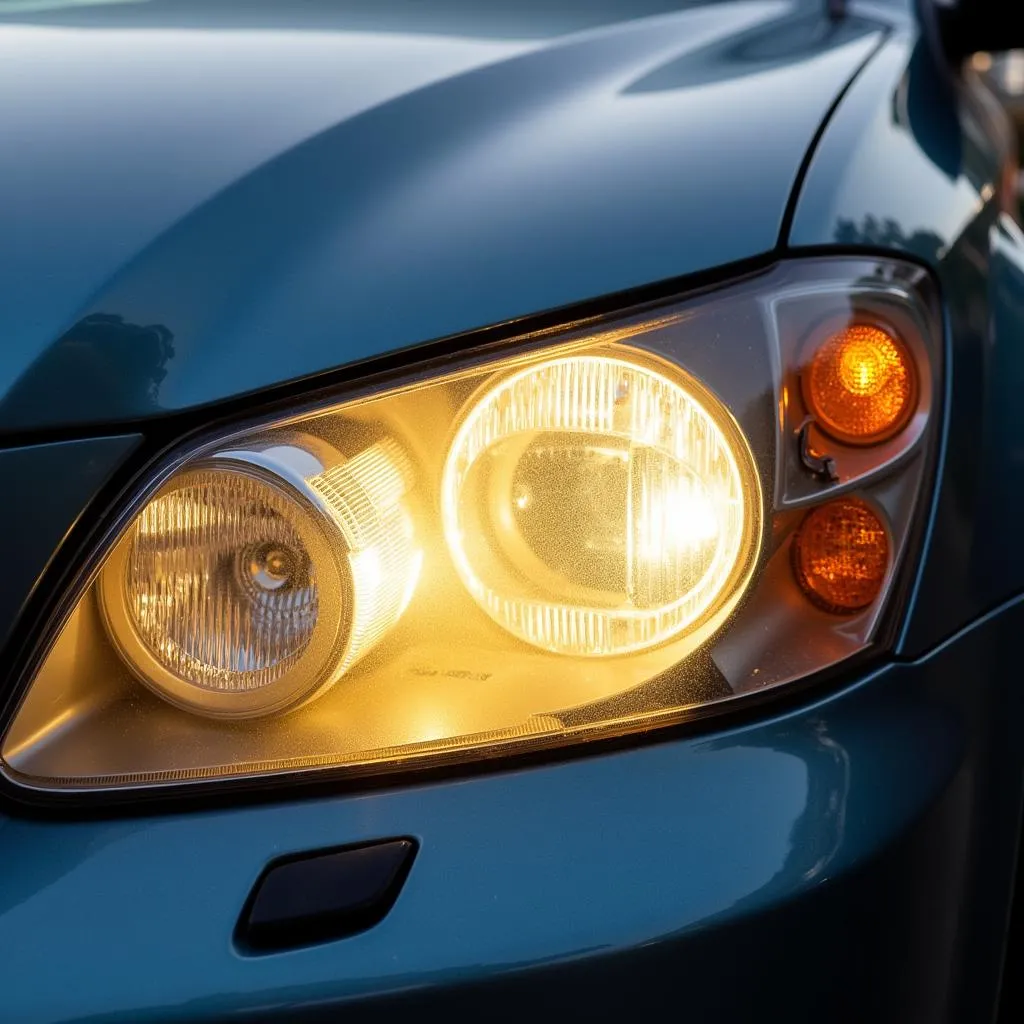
583,533
594,505
256,577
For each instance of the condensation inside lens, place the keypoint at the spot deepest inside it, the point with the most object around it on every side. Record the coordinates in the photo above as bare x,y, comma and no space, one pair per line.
595,506
220,586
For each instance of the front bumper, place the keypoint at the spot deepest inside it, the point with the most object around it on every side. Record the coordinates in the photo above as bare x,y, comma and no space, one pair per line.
848,860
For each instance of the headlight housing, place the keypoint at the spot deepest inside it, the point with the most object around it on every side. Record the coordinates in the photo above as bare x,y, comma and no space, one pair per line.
589,532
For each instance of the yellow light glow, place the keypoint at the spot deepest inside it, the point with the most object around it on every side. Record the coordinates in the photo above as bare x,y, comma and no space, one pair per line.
594,506
364,495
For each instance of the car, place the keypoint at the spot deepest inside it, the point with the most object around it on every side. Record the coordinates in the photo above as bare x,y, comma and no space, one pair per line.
514,511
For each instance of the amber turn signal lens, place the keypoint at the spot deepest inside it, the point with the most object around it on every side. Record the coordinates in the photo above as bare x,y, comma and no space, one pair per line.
861,384
841,555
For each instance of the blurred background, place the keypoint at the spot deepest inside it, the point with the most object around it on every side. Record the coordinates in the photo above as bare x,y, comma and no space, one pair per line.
1004,74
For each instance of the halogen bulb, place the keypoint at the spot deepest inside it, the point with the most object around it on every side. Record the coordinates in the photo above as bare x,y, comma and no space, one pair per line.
259,577
595,506
272,567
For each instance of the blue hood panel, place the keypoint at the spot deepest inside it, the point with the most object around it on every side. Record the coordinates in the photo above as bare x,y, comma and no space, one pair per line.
195,209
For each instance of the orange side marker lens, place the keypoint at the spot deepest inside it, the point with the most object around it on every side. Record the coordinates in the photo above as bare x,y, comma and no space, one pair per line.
861,384
841,555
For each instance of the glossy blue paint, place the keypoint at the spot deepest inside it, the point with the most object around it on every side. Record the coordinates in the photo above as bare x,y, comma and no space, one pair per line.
196,204
46,488
943,150
841,855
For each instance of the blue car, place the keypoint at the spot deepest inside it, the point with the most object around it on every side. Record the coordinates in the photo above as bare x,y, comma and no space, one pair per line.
512,511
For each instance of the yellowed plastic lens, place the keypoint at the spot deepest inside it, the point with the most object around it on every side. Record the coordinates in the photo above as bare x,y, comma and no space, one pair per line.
594,506
861,384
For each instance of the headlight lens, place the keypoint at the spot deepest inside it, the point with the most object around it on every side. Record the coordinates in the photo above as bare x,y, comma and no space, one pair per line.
589,533
218,589
595,506
250,582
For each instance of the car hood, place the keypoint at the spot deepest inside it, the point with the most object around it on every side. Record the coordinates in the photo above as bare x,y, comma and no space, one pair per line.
198,201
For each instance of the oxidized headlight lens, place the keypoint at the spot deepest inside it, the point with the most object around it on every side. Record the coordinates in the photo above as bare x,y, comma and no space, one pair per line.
595,506
581,535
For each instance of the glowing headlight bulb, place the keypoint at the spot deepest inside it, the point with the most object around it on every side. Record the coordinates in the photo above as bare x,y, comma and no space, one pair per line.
594,505
257,578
